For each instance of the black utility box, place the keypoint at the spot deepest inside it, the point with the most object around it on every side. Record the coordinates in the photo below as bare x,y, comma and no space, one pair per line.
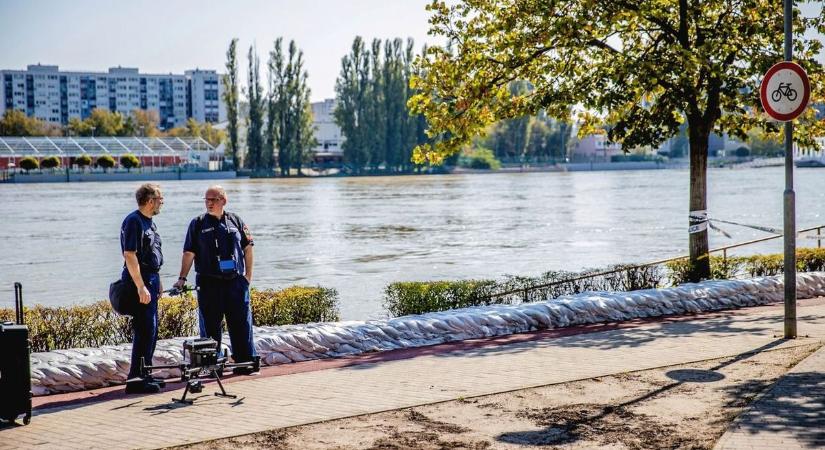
15,366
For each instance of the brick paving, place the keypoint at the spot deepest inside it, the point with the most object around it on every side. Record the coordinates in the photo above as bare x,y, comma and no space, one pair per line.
791,415
371,384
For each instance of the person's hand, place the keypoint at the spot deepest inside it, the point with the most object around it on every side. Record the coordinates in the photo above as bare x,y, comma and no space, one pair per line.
248,278
160,287
179,284
144,295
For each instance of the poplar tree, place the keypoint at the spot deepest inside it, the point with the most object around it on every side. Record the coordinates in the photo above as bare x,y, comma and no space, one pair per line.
290,113
254,141
230,98
372,93
376,124
351,106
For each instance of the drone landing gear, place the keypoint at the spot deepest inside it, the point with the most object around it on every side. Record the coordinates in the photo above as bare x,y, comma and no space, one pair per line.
195,386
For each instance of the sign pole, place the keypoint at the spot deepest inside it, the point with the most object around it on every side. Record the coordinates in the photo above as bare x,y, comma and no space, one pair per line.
789,200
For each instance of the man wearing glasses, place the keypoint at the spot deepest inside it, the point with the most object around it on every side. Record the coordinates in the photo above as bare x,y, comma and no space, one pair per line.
141,247
220,245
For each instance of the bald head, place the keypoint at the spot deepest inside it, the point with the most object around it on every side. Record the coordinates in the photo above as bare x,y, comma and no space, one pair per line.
215,199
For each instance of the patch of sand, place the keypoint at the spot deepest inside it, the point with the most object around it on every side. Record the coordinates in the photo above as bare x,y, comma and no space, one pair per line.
684,407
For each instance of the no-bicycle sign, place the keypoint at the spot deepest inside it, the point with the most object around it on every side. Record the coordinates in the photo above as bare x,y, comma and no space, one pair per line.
785,91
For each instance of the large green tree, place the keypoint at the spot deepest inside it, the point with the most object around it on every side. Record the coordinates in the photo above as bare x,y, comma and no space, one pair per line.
17,123
195,129
642,67
351,92
289,122
231,99
101,122
255,158
372,92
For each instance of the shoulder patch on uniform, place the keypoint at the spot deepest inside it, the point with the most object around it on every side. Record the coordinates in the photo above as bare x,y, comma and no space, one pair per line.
246,232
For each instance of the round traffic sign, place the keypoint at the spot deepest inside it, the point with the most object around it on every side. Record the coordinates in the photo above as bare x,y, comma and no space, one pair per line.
785,91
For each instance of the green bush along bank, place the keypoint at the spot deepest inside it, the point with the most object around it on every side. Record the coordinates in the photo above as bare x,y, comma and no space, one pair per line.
412,297
418,297
807,260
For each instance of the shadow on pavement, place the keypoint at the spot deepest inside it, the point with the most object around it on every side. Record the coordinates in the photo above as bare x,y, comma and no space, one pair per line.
573,423
795,405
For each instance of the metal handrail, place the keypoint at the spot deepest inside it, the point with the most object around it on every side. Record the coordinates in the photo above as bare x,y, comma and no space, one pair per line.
724,251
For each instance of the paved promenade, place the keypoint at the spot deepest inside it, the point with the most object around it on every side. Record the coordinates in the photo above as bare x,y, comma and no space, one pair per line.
317,391
789,416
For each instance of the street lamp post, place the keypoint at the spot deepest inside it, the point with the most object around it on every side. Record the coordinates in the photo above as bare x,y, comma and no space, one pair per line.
789,198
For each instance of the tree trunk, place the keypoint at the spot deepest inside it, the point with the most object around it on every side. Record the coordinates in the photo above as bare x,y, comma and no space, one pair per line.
698,240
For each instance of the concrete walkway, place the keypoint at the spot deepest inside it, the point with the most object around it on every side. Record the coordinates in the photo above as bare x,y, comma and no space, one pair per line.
791,415
392,380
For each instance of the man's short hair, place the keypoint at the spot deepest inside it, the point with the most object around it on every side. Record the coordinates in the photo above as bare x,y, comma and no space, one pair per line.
219,189
147,192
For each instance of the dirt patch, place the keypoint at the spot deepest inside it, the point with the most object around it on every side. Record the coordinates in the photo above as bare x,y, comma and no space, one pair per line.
677,407
271,439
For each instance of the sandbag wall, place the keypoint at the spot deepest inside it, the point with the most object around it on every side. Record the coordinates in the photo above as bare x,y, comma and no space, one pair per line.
78,369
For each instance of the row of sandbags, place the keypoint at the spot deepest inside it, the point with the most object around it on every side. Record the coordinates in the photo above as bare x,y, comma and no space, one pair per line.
78,369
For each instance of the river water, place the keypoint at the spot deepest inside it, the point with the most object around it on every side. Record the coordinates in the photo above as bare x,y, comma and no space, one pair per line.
61,240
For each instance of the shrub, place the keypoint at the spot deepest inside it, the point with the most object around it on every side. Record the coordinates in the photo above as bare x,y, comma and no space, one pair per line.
807,260
295,304
50,162
720,268
810,259
555,284
129,161
480,158
413,297
96,324
106,162
742,152
418,297
29,163
83,160
765,265
177,316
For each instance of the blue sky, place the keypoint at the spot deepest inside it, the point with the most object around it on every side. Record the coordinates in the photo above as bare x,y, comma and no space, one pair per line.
176,35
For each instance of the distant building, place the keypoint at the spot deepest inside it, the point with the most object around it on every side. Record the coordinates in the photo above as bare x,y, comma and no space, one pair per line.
327,132
56,97
595,148
152,152
203,90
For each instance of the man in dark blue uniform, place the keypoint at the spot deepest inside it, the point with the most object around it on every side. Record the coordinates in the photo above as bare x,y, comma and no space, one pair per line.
141,247
220,245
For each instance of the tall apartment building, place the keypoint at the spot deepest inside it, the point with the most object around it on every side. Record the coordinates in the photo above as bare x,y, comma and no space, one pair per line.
48,94
203,89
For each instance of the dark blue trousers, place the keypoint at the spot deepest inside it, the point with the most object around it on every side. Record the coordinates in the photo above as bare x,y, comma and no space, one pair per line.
218,298
145,327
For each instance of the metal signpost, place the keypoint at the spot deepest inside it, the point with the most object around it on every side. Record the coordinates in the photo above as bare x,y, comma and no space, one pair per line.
784,93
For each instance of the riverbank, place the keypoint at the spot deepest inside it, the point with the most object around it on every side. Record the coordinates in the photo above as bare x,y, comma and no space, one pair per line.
166,175
78,176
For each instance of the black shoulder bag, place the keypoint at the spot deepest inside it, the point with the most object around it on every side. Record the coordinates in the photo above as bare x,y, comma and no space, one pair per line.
123,293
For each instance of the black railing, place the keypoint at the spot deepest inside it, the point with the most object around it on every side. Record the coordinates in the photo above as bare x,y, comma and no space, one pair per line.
526,290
